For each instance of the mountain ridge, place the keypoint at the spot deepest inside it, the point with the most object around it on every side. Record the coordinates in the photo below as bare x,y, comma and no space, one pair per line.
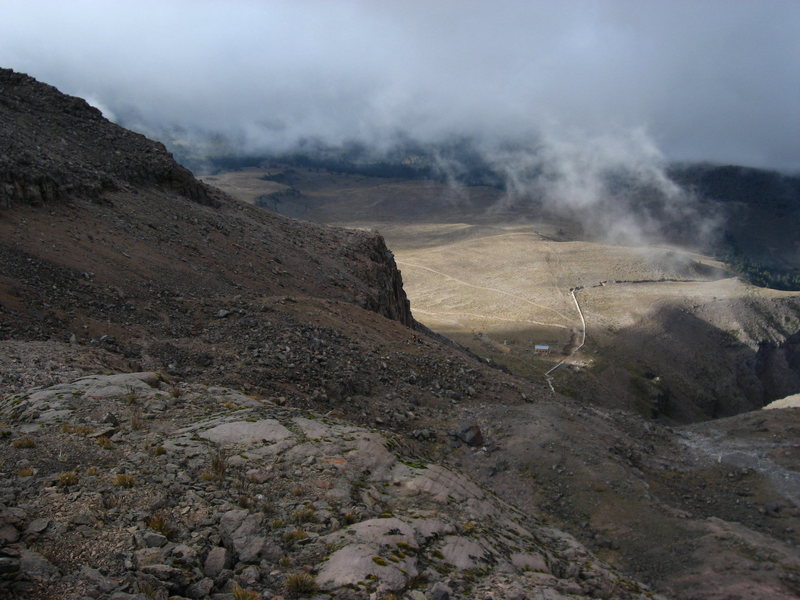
273,419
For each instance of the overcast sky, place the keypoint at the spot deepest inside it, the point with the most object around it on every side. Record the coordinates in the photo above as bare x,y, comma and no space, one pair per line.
704,79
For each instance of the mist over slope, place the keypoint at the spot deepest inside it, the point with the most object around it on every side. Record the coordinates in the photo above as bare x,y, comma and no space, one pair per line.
578,107
141,276
708,81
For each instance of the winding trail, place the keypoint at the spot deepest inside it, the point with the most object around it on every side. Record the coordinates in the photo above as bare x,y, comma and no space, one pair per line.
547,375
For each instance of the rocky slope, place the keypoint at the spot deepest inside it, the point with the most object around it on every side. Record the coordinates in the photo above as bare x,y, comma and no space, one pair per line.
86,154
126,486
394,454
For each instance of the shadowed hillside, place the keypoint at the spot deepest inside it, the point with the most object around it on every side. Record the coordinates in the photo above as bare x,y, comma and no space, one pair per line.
200,398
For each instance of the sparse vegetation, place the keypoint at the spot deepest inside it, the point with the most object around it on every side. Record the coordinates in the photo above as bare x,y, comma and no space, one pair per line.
304,515
219,463
25,472
112,500
24,442
104,442
469,527
299,584
78,429
67,478
240,593
294,536
124,480
137,418
160,522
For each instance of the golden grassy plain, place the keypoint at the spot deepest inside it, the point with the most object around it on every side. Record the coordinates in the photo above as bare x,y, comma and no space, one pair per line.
497,278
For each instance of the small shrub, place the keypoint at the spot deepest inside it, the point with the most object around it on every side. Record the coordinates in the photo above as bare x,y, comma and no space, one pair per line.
406,546
207,476
160,523
148,588
137,418
92,471
25,442
131,397
285,561
25,472
124,481
79,429
112,501
380,561
159,451
469,527
294,536
67,478
104,442
276,523
304,515
299,584
297,492
240,593
219,463
350,518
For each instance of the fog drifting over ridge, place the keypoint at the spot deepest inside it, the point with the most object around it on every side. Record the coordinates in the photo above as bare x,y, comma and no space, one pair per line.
553,95
713,80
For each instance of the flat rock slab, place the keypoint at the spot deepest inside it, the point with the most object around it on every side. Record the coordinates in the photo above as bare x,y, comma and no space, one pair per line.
463,553
116,386
357,562
235,432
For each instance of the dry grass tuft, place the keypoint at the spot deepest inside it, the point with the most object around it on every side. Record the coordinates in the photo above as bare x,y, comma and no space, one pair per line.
299,584
304,515
160,522
294,536
219,463
124,481
240,593
137,418
67,478
24,442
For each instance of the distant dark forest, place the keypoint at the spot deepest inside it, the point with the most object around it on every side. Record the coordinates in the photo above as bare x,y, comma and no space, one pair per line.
761,232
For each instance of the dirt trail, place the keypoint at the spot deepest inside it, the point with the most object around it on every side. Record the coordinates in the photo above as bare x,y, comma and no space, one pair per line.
547,375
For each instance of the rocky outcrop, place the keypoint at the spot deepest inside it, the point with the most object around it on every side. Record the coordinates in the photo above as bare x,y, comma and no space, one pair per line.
778,367
388,297
198,491
55,147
